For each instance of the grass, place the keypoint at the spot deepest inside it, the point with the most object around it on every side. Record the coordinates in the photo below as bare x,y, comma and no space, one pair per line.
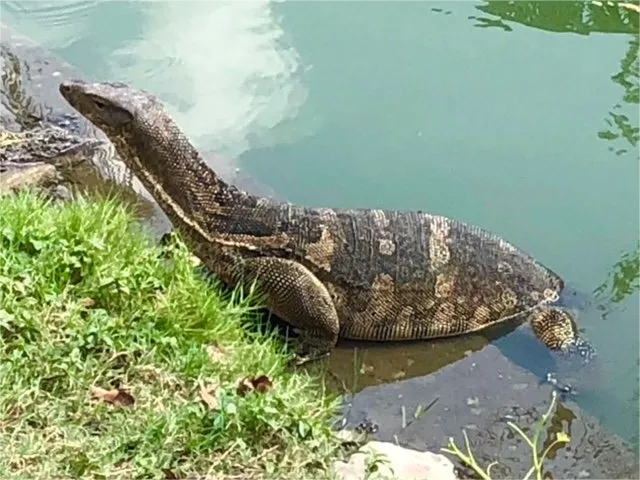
89,302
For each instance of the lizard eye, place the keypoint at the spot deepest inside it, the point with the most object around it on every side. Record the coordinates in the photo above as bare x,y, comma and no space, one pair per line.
99,103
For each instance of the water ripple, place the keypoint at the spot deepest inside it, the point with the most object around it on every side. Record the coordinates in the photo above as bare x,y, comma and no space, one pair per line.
52,13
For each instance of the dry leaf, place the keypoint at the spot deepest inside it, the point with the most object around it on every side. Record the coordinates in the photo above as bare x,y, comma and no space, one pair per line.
169,475
116,396
244,386
630,6
217,353
209,396
260,384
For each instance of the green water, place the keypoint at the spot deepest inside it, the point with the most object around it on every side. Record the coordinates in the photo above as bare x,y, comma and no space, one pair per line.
521,117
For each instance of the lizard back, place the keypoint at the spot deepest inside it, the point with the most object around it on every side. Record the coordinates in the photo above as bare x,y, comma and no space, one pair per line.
395,275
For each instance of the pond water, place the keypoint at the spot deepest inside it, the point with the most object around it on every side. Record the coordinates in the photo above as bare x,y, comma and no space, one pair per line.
521,117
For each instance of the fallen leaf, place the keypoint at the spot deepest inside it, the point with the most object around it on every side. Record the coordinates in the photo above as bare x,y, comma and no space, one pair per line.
260,384
208,395
217,353
630,6
116,396
168,474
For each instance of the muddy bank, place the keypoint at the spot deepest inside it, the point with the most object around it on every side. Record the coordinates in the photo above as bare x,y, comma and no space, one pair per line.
475,384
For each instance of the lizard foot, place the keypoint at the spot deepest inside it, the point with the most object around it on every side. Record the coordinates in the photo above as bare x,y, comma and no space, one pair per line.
367,426
564,389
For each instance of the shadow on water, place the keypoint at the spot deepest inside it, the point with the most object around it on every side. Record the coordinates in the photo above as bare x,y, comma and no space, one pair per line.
381,363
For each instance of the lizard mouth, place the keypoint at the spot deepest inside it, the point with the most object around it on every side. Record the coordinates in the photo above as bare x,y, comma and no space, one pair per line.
69,89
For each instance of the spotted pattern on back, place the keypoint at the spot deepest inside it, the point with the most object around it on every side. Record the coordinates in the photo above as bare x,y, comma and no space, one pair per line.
456,278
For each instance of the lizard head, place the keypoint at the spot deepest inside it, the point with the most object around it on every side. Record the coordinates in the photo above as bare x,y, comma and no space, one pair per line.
152,145
147,139
112,107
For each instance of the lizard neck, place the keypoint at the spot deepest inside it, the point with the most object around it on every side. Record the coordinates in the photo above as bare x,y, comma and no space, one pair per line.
163,158
174,173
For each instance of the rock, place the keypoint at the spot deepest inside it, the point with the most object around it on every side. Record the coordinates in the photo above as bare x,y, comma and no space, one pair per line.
398,462
33,175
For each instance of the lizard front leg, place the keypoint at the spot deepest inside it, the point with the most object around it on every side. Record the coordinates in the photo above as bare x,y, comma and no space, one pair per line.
296,295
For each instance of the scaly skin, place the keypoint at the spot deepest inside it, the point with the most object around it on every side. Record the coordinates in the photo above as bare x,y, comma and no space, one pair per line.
358,274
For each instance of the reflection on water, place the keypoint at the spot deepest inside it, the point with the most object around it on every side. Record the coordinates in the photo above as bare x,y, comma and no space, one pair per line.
623,279
619,125
220,66
243,83
582,18
585,18
618,289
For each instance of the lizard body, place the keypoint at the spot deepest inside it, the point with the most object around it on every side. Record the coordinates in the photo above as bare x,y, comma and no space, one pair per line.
352,273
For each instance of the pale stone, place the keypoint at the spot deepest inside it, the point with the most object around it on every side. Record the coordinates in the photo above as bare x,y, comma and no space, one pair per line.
399,463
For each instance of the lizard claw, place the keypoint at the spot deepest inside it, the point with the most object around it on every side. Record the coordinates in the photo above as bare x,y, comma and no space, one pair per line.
367,426
564,389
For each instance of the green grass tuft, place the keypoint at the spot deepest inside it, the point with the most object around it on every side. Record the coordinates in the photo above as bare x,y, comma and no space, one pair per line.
88,300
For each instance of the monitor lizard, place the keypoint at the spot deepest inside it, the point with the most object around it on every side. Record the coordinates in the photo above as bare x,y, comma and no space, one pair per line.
366,274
